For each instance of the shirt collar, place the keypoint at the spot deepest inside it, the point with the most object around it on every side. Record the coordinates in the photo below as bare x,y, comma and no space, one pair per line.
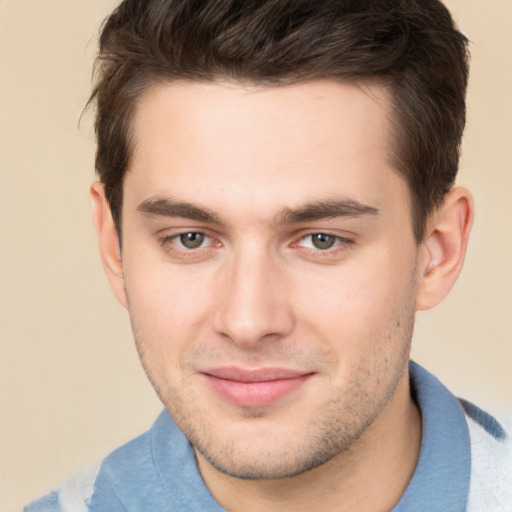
441,478
160,465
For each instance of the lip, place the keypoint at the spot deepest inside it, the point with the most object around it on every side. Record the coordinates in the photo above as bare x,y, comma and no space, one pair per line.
255,387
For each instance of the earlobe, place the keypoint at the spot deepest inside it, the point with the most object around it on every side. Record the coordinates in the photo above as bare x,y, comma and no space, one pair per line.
108,241
444,247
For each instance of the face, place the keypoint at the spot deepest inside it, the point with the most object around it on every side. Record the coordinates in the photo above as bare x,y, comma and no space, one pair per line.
269,268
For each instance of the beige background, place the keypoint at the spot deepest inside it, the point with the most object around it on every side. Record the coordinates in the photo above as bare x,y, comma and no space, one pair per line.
71,386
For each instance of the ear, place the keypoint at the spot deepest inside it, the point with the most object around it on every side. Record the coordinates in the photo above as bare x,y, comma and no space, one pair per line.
108,241
444,247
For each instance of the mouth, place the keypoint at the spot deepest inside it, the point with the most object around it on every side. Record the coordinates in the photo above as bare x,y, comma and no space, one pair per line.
254,388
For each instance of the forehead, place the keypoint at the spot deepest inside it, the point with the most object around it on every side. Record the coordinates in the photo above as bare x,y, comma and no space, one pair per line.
270,145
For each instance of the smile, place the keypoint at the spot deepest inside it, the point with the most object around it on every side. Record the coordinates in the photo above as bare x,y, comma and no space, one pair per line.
254,388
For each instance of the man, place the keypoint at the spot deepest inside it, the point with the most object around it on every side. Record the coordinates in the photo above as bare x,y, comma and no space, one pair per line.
276,201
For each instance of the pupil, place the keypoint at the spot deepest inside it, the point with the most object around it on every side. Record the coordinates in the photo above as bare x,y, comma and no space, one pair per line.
323,241
192,240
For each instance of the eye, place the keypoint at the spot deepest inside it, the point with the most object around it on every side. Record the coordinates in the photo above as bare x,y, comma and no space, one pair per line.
192,239
320,241
189,246
323,240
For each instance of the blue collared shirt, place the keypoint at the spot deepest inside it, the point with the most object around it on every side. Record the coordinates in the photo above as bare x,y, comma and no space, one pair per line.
157,471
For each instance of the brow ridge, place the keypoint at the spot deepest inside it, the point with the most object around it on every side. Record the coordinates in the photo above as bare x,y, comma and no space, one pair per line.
317,210
328,209
169,208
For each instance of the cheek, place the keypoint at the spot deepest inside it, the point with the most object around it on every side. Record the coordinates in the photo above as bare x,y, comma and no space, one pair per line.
167,306
361,302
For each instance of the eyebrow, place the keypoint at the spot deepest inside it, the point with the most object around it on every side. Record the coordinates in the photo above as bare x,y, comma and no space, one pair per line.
328,209
318,210
169,208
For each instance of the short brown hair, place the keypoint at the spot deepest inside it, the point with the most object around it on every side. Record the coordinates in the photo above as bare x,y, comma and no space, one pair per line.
410,46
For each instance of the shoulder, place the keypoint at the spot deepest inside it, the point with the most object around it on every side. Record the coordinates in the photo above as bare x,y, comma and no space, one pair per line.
153,469
491,460
72,496
78,494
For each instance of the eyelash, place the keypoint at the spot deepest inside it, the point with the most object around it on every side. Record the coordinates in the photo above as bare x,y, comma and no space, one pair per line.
172,245
341,244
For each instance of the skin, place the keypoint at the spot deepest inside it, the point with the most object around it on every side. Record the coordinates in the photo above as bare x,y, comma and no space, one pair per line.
253,176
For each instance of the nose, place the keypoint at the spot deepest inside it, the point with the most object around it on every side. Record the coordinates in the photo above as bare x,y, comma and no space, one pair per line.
253,304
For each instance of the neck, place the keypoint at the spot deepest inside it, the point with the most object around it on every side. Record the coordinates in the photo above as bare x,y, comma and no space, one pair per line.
371,476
